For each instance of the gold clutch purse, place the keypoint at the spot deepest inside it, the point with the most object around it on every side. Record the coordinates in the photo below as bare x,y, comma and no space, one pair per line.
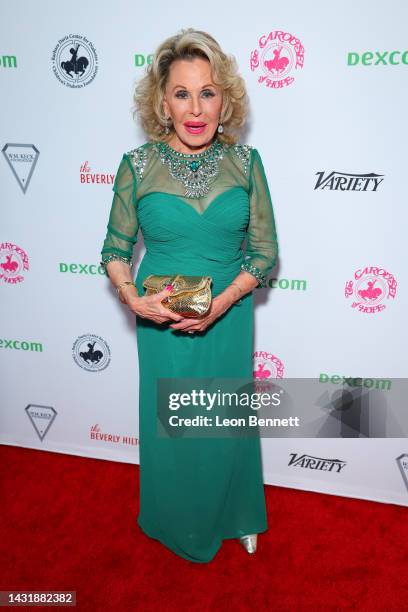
191,295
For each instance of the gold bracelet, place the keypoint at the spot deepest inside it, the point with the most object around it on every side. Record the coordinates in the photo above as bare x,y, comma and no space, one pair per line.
122,284
119,287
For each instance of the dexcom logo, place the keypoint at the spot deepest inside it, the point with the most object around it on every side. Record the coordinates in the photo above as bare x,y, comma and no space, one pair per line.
8,61
21,345
81,268
140,60
376,58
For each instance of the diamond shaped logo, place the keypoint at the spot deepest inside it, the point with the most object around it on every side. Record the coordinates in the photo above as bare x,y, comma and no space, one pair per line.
22,159
402,461
41,417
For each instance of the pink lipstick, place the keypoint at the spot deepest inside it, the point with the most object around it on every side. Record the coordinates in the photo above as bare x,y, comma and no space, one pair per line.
195,127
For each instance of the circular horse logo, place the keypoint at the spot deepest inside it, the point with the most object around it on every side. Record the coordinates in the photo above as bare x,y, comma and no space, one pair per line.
91,353
370,287
267,366
277,56
75,61
13,262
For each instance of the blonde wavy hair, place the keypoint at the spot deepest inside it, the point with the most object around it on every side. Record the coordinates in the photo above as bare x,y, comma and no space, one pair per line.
188,44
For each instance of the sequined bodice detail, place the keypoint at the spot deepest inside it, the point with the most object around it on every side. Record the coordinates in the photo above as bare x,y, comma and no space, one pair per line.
196,207
195,171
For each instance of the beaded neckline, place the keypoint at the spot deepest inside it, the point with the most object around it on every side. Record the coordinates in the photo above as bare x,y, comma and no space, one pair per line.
196,171
166,148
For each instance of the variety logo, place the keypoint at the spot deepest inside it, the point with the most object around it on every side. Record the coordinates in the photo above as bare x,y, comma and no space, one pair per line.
402,462
343,181
13,262
96,434
22,159
370,288
266,366
277,56
75,61
41,417
91,353
8,61
316,463
87,176
380,58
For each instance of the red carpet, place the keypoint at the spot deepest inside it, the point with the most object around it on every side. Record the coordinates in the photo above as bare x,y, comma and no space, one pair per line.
69,523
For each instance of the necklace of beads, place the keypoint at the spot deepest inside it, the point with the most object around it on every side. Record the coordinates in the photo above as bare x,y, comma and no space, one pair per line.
196,171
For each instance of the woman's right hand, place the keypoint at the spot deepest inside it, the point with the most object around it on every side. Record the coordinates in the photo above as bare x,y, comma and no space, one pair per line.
150,307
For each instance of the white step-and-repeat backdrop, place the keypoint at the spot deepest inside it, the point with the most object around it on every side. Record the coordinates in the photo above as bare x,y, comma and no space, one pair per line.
328,90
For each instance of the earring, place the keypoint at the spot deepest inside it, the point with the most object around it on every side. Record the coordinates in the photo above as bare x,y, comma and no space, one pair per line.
220,128
166,129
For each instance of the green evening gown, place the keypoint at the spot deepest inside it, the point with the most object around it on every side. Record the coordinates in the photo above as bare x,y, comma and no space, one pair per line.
195,492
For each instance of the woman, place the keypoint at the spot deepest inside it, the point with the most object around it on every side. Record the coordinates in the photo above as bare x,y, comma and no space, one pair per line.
196,194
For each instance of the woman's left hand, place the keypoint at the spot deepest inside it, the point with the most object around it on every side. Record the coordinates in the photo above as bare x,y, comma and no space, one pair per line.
219,305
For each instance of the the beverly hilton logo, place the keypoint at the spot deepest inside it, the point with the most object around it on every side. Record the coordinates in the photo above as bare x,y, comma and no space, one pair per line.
96,433
13,262
22,159
75,61
370,288
276,58
94,178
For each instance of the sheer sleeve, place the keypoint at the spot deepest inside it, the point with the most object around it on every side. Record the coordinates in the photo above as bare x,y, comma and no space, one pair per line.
262,244
123,224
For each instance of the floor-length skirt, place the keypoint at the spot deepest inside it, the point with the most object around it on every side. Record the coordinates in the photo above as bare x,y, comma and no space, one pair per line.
195,492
